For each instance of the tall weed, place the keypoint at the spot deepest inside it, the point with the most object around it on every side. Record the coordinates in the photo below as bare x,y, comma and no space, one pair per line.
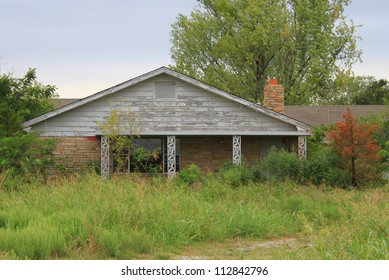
136,217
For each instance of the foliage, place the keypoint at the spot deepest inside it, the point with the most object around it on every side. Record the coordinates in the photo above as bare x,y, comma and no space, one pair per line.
145,161
133,217
27,154
367,90
280,166
322,166
22,99
120,129
357,149
309,46
235,175
382,135
189,175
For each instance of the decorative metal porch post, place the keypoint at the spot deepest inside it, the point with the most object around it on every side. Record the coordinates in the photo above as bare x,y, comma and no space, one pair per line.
302,147
171,156
237,149
104,157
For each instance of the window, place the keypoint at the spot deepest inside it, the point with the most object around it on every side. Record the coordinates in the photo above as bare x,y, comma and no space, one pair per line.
164,89
147,155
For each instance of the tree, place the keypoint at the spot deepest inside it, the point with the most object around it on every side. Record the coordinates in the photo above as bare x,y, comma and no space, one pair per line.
22,99
357,148
120,129
27,154
235,45
369,91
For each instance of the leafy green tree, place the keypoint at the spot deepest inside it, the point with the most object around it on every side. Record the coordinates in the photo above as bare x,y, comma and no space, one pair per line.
22,99
309,45
369,91
27,154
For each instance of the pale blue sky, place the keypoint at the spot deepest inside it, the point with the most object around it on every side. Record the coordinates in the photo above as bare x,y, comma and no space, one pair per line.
84,46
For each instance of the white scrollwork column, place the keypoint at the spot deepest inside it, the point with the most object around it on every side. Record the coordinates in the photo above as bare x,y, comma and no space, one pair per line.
237,149
302,147
171,156
104,157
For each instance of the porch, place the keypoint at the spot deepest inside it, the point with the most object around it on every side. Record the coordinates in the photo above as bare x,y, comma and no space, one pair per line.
207,152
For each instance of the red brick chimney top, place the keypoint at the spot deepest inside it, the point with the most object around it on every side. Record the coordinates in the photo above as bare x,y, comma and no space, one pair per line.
273,81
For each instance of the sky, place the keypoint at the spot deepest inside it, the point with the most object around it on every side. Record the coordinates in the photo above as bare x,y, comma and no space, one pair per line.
85,46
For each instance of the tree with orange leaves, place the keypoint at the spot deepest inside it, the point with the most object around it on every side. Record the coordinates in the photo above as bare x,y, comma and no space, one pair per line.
357,149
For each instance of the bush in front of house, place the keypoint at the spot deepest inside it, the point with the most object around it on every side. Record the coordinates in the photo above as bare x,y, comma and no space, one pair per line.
278,166
322,167
235,175
26,154
190,175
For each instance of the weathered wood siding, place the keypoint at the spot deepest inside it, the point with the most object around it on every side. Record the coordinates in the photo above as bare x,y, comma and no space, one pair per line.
194,111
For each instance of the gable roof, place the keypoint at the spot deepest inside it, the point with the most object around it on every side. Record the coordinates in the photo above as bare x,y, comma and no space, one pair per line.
302,127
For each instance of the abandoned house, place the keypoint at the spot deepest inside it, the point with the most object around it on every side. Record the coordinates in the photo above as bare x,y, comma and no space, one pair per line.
186,120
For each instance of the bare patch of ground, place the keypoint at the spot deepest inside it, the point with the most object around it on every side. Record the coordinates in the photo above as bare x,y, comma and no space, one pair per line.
245,249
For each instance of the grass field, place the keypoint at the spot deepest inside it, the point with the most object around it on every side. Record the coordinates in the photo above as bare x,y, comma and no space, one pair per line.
87,217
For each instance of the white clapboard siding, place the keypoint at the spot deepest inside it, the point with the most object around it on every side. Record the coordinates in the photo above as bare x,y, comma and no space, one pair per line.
195,111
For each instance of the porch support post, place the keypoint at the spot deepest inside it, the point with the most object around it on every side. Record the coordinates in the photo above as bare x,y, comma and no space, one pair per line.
302,147
171,156
237,149
104,157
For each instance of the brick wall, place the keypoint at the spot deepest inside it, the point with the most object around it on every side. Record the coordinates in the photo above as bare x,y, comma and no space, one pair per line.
77,151
209,153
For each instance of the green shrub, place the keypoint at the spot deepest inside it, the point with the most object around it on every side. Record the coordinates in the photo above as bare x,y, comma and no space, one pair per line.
235,175
190,175
256,172
280,166
322,167
27,154
337,177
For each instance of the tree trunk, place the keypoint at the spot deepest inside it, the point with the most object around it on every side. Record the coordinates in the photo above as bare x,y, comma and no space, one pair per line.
353,173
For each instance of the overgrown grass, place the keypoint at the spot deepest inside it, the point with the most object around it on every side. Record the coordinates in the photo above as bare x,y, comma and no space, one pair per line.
128,217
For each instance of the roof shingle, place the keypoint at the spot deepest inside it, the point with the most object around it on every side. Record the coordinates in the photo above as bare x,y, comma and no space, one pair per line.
318,115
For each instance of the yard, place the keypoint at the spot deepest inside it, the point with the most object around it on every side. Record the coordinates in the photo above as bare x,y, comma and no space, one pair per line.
132,217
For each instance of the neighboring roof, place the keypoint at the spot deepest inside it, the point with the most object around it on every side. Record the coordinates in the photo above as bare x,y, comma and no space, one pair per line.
302,127
318,115
60,102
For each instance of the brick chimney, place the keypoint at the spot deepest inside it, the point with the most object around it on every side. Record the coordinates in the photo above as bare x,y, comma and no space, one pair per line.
273,96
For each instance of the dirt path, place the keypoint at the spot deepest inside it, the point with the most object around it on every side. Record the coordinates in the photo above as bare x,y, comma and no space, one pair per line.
245,249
